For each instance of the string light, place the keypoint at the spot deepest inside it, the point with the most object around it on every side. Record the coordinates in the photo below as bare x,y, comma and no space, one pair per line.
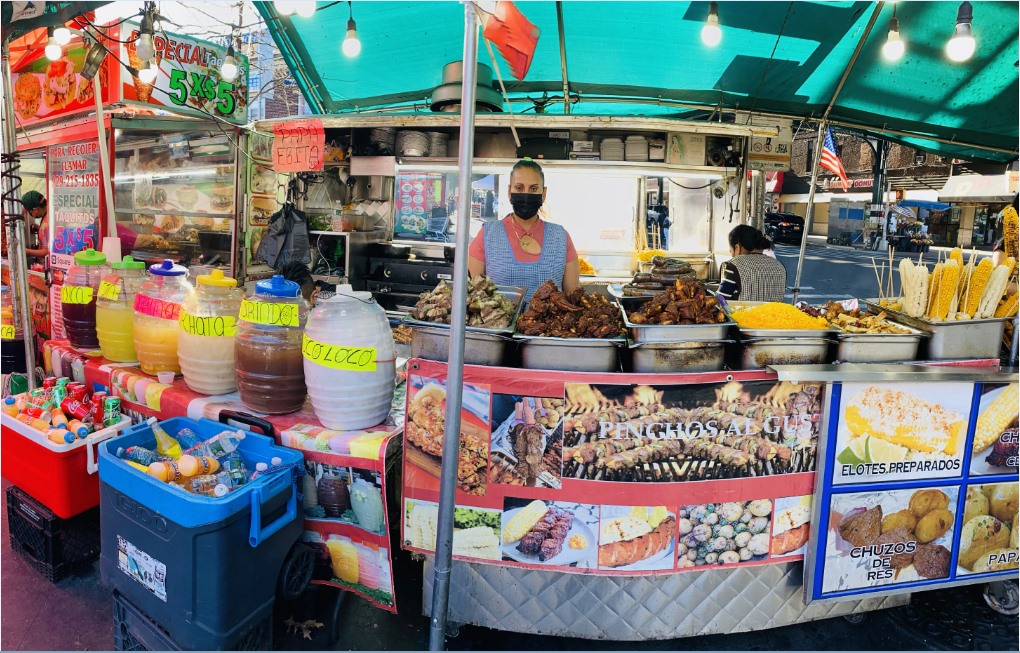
711,33
148,74
352,45
894,46
53,49
62,35
143,46
228,70
961,47
303,8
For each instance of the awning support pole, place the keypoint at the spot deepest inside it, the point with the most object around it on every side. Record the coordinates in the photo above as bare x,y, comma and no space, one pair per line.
104,161
17,233
458,313
563,57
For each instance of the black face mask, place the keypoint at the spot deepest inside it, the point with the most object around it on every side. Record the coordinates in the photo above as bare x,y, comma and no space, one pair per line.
526,205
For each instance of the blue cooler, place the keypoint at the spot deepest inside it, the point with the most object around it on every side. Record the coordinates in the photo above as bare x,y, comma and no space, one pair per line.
205,569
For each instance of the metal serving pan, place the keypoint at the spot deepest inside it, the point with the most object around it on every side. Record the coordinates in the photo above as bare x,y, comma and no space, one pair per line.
671,357
879,347
433,343
951,340
570,354
514,293
757,353
663,333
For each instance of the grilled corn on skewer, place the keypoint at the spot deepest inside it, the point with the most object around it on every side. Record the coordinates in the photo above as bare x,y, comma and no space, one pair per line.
1008,306
994,420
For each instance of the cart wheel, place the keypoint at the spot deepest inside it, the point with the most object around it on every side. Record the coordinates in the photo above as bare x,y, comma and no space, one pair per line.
296,572
453,629
856,618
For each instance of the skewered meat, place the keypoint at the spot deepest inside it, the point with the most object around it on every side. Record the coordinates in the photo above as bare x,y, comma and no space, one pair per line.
577,314
686,302
863,528
1004,454
546,538
527,444
627,552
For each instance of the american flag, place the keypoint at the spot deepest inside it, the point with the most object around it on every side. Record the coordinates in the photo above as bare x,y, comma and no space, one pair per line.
830,160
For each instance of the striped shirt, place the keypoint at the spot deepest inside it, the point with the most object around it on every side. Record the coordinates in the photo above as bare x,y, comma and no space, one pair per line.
753,278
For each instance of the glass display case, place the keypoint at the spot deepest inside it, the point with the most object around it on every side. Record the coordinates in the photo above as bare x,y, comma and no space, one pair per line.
176,196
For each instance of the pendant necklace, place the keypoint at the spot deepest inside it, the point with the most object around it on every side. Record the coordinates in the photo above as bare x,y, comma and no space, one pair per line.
526,240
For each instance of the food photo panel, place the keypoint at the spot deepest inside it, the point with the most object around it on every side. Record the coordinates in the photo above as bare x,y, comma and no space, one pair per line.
902,431
527,441
345,494
988,541
424,430
889,537
677,433
791,526
549,533
475,530
637,538
996,437
724,533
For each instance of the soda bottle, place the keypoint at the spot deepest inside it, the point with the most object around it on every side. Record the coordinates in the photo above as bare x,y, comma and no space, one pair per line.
60,436
219,445
11,407
197,465
140,455
79,428
188,439
167,471
234,467
165,444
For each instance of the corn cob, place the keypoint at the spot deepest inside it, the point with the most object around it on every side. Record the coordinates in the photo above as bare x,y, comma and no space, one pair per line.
994,420
956,254
1011,264
1010,232
524,521
993,292
915,287
945,290
976,287
1008,306
933,287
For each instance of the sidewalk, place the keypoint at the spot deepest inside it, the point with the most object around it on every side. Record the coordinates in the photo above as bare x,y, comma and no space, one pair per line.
933,250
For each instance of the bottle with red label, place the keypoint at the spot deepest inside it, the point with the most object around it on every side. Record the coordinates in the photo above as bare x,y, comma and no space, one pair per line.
78,298
157,310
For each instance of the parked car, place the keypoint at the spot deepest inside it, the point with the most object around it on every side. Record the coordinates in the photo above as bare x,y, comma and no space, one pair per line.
781,227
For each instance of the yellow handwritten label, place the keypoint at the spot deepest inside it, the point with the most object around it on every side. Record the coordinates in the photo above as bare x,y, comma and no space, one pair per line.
109,288
269,313
208,326
76,294
7,332
339,357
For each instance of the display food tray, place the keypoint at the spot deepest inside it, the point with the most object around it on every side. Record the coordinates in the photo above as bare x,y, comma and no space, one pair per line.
433,343
757,353
514,293
672,333
879,347
951,340
570,354
667,357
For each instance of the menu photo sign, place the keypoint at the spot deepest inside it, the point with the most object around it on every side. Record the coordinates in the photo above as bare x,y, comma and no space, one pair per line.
919,490
73,200
616,474
189,76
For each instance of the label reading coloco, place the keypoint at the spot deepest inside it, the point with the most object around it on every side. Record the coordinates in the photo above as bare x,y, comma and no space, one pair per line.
109,288
339,357
7,332
269,313
76,294
208,326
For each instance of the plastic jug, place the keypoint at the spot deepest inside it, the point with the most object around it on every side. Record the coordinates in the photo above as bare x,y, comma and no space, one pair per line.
205,343
270,368
115,318
349,361
78,298
157,310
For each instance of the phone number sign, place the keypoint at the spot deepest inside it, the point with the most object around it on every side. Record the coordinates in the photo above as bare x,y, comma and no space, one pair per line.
73,200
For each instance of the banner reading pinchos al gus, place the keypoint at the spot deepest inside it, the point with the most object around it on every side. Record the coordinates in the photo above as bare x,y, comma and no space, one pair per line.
615,474
918,489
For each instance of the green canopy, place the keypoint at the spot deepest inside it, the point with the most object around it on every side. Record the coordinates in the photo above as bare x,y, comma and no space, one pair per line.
781,58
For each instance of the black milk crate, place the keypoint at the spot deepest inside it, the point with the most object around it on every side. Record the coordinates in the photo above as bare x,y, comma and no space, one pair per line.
54,546
135,631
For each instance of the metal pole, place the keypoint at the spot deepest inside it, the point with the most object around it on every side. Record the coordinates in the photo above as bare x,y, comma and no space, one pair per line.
810,209
104,161
455,373
1014,348
17,234
563,58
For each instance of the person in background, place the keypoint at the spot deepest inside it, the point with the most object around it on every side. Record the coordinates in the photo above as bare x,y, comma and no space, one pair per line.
131,239
35,209
302,276
522,249
664,224
750,275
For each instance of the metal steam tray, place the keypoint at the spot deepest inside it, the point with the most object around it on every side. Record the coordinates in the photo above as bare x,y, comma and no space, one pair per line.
663,333
570,354
951,340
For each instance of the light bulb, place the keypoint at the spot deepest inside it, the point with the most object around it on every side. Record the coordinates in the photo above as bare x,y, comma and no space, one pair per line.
147,75
352,45
894,47
229,69
283,7
143,47
306,8
711,33
63,35
961,47
53,49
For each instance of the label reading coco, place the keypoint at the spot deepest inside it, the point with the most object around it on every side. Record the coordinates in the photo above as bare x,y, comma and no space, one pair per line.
338,357
7,332
208,326
76,294
269,313
109,288
157,308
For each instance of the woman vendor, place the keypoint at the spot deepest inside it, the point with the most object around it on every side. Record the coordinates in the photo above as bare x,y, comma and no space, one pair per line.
522,249
752,276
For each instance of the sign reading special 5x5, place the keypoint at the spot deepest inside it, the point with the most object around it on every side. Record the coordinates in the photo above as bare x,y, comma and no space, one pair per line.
189,76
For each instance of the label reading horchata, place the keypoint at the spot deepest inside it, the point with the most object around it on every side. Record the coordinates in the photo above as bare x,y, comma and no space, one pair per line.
208,326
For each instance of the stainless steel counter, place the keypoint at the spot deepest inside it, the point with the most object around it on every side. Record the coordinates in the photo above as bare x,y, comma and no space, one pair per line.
892,372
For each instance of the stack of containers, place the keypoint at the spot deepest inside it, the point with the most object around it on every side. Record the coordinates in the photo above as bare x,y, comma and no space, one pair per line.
78,298
114,309
157,311
205,340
